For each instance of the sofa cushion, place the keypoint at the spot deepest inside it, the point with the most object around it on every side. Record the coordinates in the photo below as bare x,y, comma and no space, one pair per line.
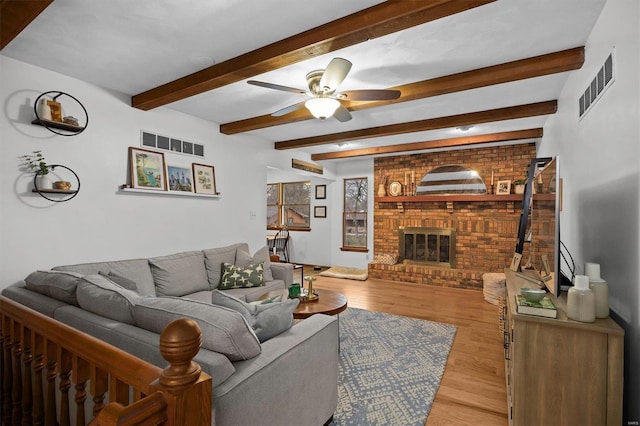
179,274
241,276
223,330
120,280
251,294
100,295
60,285
243,258
267,320
136,270
215,257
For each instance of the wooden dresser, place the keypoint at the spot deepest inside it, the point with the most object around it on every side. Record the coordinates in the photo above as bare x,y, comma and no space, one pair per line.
560,371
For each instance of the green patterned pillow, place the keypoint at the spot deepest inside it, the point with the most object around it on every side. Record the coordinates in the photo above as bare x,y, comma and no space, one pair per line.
241,276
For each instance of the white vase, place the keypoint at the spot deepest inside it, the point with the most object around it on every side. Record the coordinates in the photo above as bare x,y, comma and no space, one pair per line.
44,112
43,182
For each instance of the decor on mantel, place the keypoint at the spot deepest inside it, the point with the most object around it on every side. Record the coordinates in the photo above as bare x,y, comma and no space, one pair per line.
50,113
451,179
382,186
504,187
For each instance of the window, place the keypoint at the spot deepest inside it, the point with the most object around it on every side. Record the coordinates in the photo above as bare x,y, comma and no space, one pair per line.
354,217
288,204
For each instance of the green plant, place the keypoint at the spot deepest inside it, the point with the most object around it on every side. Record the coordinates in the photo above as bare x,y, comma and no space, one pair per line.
522,181
36,163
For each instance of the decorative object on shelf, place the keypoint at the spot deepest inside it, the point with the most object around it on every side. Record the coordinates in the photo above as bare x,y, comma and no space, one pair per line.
49,113
36,163
581,303
395,189
504,187
599,287
204,179
321,192
320,211
62,185
451,179
147,169
491,191
310,295
180,178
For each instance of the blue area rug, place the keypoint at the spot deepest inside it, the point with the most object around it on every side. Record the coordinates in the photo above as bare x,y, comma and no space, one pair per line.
390,368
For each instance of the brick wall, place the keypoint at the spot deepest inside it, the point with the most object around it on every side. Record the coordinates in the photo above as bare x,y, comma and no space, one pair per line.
485,231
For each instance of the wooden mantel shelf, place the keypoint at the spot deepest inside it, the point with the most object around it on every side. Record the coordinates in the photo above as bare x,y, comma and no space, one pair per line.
450,199
447,197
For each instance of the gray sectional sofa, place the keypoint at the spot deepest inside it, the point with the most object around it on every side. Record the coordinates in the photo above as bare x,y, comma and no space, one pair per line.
285,376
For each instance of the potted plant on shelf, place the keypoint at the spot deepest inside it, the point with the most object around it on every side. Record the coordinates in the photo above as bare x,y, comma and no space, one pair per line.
519,184
35,163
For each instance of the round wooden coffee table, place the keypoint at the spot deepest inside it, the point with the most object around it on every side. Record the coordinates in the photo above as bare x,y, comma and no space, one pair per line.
329,303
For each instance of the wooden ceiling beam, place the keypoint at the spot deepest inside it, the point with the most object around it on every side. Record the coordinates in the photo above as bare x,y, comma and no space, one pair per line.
15,15
377,21
434,144
468,119
551,63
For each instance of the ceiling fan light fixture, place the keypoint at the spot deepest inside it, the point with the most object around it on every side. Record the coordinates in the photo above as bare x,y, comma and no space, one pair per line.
322,107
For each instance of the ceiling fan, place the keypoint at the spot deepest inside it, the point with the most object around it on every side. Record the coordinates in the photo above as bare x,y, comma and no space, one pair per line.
325,102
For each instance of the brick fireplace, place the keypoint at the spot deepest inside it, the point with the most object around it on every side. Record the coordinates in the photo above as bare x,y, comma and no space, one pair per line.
483,233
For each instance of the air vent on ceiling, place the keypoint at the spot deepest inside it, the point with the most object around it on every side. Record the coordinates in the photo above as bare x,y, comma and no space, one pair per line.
166,143
594,91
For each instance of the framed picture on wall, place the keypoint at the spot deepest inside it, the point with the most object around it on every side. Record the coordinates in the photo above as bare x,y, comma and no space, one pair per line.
179,178
321,192
204,179
320,211
147,169
504,187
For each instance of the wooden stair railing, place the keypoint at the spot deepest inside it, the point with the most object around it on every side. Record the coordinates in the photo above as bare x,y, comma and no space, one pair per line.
38,352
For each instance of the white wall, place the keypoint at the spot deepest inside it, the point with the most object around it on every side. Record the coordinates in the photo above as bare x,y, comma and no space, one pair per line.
600,163
100,223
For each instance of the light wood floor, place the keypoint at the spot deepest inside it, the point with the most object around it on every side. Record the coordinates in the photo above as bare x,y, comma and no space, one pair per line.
472,390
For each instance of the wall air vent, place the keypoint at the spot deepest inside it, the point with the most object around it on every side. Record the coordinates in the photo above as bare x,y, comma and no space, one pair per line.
151,140
594,91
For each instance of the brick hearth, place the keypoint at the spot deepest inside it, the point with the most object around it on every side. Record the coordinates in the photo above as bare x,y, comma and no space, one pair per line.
485,230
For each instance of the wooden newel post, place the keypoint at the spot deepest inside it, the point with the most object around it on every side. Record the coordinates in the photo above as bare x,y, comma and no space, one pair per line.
183,380
180,341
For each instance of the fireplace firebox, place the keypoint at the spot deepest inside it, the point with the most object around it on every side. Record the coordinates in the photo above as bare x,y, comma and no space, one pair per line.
428,246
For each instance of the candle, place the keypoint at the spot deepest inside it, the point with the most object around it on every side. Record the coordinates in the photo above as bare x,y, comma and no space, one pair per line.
491,177
413,175
405,179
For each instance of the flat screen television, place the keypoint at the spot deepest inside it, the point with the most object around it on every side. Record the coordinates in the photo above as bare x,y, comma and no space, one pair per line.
544,230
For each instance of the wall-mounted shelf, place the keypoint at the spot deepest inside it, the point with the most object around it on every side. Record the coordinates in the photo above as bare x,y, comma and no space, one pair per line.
57,125
171,193
54,191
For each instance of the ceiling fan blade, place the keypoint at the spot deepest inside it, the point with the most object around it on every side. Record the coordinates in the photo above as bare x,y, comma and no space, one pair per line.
342,114
369,95
276,87
288,109
334,74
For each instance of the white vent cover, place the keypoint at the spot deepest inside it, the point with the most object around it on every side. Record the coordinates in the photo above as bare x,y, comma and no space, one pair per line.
151,140
594,91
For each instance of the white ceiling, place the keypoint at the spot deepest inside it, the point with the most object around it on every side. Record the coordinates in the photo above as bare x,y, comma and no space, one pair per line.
132,46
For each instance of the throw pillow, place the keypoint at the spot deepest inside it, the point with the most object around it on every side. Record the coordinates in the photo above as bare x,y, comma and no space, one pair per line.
120,280
223,330
238,277
101,296
267,320
215,257
243,258
56,284
179,274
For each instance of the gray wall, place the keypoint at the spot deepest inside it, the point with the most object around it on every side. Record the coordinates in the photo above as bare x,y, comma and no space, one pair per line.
600,164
